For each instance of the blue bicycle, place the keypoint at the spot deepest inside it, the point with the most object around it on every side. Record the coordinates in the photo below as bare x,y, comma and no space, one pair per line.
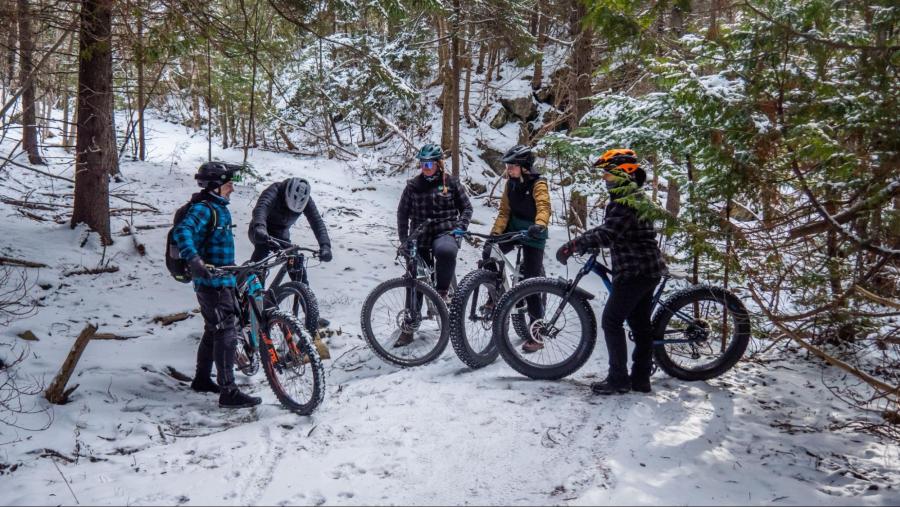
700,332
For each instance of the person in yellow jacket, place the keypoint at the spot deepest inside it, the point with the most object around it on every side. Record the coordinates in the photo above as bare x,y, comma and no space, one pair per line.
525,206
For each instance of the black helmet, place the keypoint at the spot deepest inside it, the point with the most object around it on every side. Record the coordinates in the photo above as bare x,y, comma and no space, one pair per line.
213,175
519,155
296,194
430,152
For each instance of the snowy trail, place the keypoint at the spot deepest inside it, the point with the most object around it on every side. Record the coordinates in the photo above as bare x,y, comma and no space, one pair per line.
436,434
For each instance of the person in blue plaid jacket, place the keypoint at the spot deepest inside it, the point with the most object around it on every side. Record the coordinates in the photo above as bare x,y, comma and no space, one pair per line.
204,238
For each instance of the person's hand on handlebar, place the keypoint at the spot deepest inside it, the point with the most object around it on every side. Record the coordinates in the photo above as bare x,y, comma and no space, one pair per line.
198,268
275,244
536,231
325,253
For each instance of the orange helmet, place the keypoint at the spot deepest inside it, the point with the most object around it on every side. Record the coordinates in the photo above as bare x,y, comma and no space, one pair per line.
622,159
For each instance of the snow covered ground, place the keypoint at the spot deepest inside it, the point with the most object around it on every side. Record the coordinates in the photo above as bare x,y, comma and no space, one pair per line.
437,434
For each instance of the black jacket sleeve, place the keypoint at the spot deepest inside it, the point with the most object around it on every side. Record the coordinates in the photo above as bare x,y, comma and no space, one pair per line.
264,205
316,223
617,221
463,205
403,215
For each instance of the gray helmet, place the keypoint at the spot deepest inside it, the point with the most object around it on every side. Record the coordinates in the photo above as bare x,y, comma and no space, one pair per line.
296,194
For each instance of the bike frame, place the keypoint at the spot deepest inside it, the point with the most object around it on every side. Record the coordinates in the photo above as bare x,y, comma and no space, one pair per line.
598,268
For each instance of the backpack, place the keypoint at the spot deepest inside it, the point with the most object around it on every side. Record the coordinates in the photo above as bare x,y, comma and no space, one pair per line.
177,266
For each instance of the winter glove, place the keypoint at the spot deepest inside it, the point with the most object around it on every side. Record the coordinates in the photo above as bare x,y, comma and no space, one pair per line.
536,231
198,269
567,250
325,253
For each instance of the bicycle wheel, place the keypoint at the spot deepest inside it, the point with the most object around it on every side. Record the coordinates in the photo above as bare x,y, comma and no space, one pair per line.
519,317
567,344
386,314
297,299
291,363
472,317
717,323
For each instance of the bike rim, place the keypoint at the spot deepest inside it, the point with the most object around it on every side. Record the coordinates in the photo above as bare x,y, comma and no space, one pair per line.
707,317
561,342
390,316
291,363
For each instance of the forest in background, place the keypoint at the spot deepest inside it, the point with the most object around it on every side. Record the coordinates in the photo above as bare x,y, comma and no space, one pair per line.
768,127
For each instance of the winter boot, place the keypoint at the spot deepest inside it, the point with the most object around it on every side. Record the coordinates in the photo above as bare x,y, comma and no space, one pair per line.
612,385
641,384
204,384
231,397
531,346
405,339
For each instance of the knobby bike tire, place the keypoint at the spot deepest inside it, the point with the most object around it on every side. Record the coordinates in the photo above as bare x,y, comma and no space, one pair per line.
305,300
307,351
734,351
586,317
459,312
427,292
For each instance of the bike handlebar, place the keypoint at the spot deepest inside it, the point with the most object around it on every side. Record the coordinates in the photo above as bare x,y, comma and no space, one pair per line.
499,238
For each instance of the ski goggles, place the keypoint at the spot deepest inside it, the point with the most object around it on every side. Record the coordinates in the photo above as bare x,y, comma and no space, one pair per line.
428,165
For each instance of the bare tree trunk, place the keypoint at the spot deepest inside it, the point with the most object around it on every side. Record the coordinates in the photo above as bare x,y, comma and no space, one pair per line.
676,20
542,28
468,89
195,96
714,8
11,36
454,98
482,50
581,62
67,122
142,146
26,49
96,157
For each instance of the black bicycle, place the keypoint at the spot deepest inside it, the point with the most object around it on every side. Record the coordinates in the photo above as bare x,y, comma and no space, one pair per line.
275,339
407,305
699,332
474,304
294,295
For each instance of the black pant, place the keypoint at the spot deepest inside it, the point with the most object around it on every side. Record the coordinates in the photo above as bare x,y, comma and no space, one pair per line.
630,300
217,305
532,266
444,250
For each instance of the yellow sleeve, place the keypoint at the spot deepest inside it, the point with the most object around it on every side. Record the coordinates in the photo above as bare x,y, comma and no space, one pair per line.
502,217
541,193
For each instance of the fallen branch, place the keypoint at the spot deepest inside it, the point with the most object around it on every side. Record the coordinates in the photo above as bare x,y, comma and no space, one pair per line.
57,392
395,128
171,319
112,336
873,382
875,298
93,271
9,261
45,173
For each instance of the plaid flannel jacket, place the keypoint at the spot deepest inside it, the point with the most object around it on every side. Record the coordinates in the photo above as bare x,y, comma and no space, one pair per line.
217,249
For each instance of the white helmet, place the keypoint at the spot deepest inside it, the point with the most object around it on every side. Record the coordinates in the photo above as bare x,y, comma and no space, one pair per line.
296,194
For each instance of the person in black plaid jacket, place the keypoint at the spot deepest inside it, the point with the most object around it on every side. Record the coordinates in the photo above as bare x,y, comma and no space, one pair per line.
434,196
637,266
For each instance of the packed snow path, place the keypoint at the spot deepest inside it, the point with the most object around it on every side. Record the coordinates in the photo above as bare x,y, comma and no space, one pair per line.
437,434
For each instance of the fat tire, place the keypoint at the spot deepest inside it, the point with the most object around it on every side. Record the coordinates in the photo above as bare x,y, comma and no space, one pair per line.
682,298
458,313
507,349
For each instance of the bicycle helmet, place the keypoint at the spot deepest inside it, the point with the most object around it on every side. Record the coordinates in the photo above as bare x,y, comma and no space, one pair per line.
519,155
430,152
622,159
213,175
296,194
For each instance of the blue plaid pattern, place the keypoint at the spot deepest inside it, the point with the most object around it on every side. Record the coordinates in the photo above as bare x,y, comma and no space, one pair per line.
217,249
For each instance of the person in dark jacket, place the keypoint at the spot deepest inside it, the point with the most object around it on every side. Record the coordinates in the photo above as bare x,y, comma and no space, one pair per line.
435,196
216,295
277,210
637,266
525,206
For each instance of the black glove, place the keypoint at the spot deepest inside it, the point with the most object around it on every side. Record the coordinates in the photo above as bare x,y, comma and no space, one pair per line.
567,250
198,269
325,253
273,244
536,231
